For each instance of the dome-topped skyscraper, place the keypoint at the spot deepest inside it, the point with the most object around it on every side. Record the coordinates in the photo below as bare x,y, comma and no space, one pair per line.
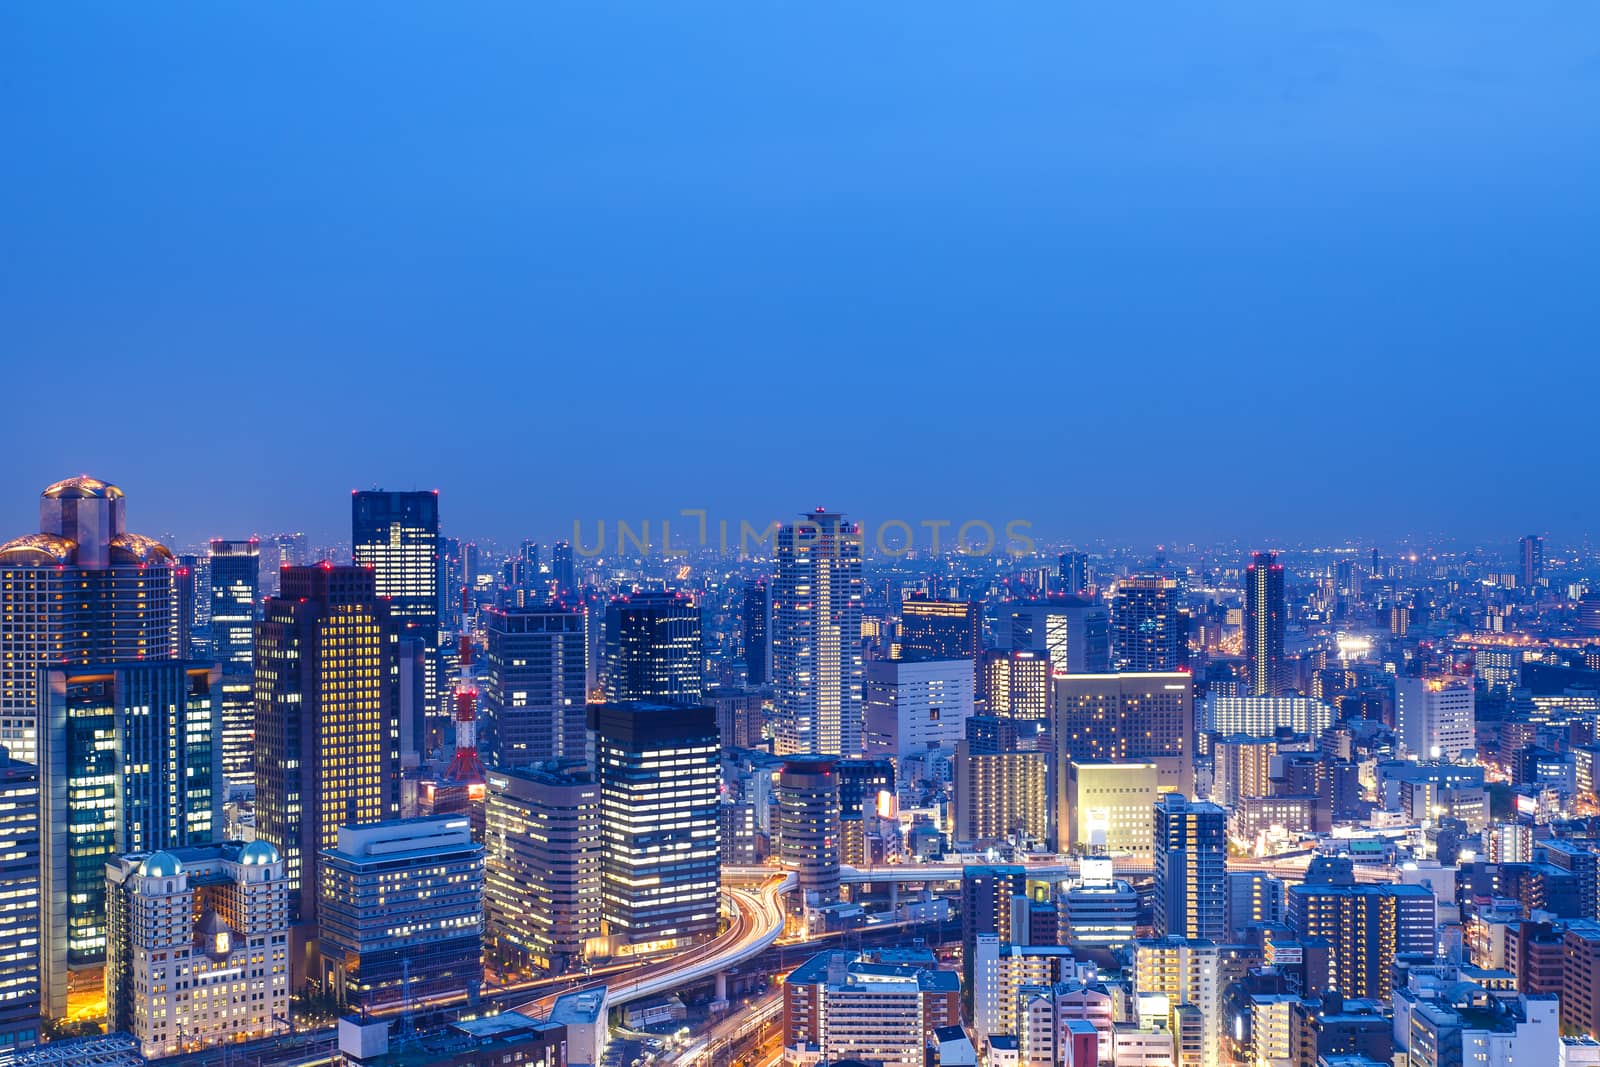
82,590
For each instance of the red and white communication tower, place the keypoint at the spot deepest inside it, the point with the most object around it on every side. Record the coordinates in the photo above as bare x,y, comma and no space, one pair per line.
466,767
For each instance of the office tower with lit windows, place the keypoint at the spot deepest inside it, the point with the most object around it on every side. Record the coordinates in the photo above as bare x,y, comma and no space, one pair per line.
235,573
327,730
756,631
1190,854
1014,684
1106,807
211,921
1000,796
807,797
1075,633
541,897
1530,559
1252,898
1072,569
1436,717
1119,718
82,590
535,684
653,648
397,535
818,672
940,629
401,916
1187,973
19,903
1148,627
659,771
131,758
1366,927
1264,614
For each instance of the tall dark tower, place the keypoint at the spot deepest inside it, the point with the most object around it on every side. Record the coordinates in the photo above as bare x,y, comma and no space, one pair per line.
1073,570
397,535
757,631
653,649
1263,624
235,580
1531,558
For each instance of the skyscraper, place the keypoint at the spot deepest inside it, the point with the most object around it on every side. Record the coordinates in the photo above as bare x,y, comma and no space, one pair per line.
653,648
1263,625
757,631
807,797
185,589
1014,684
1366,927
131,762
397,535
563,579
1149,634
940,629
535,684
401,917
1190,854
659,772
542,866
1073,571
817,668
19,903
327,732
82,590
1530,557
235,570
1074,632
1114,718
1436,717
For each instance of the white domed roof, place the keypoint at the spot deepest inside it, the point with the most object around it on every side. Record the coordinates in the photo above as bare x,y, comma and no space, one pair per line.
258,854
160,865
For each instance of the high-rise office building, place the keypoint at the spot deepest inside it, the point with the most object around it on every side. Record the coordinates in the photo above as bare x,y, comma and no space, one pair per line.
1264,615
1190,854
818,672
397,535
1118,718
1530,559
278,551
327,728
1014,684
19,903
131,762
1072,568
1263,716
185,591
659,771
235,573
535,684
653,649
1436,717
1366,927
807,797
197,946
82,590
1149,634
401,916
940,629
1252,898
563,578
756,634
1075,633
914,706
1106,807
542,846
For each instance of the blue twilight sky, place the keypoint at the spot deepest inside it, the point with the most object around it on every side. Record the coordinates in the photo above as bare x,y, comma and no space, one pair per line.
1150,270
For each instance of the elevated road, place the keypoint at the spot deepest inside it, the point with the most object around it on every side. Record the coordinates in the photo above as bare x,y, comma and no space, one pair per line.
755,921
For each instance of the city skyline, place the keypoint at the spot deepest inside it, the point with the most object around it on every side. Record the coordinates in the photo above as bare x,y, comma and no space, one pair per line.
1324,225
